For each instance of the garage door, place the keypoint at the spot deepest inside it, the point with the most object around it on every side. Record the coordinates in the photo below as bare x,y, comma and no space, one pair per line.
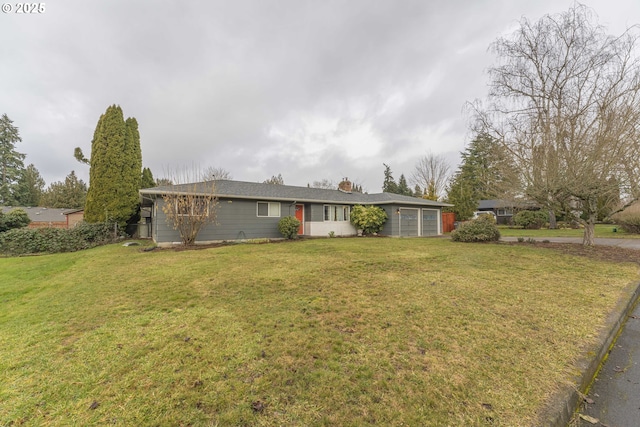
409,222
429,222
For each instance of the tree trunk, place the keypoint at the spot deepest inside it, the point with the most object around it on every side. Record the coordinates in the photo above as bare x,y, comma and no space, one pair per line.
589,230
552,220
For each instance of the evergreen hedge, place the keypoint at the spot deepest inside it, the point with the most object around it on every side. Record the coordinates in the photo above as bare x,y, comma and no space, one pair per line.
23,241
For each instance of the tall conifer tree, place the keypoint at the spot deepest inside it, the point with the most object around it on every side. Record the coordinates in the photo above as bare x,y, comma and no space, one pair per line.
11,162
70,194
116,167
28,191
147,179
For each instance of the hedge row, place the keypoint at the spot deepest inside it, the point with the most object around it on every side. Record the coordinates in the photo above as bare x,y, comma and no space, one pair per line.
24,241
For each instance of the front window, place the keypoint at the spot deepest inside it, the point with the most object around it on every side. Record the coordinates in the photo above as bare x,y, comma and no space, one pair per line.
267,209
505,212
336,213
191,206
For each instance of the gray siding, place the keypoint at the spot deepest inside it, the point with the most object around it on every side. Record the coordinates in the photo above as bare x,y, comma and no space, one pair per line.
236,220
316,213
391,225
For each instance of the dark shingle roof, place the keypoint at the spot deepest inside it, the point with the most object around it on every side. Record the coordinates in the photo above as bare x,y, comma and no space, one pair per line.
38,214
261,191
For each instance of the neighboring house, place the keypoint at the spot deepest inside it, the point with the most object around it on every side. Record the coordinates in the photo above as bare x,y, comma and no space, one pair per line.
248,210
49,217
502,209
74,216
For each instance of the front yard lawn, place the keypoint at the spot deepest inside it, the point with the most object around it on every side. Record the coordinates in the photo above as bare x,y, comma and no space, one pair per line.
319,332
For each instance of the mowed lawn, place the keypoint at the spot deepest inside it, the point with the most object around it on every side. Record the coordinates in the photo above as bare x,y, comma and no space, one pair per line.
328,332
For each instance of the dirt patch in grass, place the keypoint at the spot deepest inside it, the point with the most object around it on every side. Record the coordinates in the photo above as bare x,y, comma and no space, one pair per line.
599,252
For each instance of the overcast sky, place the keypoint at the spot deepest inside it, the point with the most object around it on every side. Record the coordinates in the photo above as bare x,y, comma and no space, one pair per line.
311,90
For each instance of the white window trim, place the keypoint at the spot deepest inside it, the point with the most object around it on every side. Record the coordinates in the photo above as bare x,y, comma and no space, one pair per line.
191,209
346,209
270,213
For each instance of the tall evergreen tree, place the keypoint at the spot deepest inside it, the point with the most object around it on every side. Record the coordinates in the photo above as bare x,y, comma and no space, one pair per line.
11,161
389,185
116,168
147,179
485,173
29,188
70,194
403,187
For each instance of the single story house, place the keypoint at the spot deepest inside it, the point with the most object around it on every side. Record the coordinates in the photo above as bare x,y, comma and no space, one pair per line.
248,210
505,209
49,217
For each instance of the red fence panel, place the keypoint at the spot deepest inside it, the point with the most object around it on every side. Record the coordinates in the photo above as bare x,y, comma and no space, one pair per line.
448,220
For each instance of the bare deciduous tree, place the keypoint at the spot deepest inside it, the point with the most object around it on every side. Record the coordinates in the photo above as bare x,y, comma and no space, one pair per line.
432,173
565,103
327,184
189,206
277,180
212,173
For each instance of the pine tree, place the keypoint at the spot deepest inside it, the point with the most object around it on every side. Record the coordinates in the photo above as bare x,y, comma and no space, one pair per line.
29,188
403,187
147,179
70,194
11,161
116,167
483,174
389,185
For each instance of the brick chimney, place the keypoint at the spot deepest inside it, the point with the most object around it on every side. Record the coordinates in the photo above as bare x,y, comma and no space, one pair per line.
345,185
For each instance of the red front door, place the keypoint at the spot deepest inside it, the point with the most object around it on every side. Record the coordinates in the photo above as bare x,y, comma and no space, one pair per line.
300,217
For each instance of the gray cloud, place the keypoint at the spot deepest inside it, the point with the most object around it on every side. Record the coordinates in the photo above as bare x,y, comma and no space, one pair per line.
307,89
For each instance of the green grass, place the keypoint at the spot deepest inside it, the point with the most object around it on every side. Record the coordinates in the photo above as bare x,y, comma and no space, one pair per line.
320,332
601,230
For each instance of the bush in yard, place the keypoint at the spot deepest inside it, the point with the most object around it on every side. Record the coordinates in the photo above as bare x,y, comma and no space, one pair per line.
532,220
369,219
288,227
17,218
54,240
628,221
482,229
